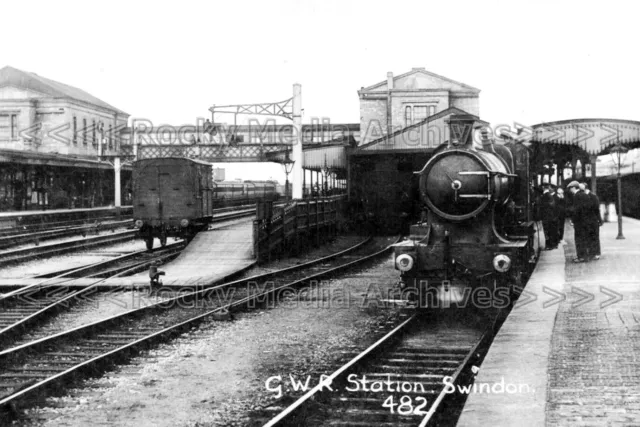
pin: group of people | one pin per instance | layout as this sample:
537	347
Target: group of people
584	214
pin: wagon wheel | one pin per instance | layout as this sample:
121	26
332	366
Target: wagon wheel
163	240
149	242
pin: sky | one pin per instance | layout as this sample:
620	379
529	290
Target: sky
168	62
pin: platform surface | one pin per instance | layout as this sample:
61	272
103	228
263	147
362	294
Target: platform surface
572	355
210	257
16	214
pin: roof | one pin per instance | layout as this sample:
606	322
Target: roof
443	113
53	159
10	76
421	71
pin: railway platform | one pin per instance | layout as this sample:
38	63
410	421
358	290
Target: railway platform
9	220
211	257
568	353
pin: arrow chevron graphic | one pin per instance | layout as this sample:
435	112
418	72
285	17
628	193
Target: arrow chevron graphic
558	297
556	134
54	133
28	296
615	297
30	133
585	297
110	297
583	134
529	297
613	134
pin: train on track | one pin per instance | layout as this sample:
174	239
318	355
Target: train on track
176	197
630	189
475	229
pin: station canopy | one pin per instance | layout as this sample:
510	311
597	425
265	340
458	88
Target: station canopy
594	136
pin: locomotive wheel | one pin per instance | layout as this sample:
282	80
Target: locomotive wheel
149	242
163	240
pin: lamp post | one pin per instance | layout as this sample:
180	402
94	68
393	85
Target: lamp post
325	175
617	153
287	163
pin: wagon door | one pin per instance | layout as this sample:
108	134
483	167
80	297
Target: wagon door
164	190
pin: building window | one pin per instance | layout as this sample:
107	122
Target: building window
93	133
8	126
75	130
416	113
109	144
84	131
420	112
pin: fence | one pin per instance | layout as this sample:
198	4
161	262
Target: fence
286	229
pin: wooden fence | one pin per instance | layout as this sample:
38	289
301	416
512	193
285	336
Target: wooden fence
286	229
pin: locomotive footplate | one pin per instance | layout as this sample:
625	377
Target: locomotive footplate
457	293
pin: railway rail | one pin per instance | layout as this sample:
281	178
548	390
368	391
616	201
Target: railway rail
25	254
20	236
58	225
31	369
29	305
407	372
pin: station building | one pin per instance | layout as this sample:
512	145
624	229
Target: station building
408	99
52	137
403	120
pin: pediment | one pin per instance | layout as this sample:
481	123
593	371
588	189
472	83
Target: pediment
420	79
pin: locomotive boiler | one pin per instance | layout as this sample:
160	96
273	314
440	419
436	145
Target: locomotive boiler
475	231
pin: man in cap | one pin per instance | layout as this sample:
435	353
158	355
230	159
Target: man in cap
549	218
594	223
579	215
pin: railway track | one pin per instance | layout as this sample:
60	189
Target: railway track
20	237
26	254
31	369
34	304
58	225
30	305
400	380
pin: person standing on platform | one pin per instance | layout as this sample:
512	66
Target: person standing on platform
595	222
549	218
579	215
561	208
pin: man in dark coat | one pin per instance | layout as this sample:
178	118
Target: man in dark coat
561	208
549	218
579	219
594	224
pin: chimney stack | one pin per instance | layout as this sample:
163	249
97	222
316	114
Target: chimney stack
389	80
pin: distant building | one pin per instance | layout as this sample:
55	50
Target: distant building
50	133
218	174
41	115
408	99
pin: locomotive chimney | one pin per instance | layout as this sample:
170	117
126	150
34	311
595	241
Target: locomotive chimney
461	130
487	143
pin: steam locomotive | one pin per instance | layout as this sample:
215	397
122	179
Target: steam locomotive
475	230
